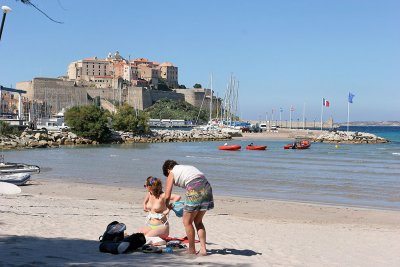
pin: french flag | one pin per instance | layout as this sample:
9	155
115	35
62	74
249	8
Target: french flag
325	102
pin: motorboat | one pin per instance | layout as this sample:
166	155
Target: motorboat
15	178
252	147
230	147
303	144
9	168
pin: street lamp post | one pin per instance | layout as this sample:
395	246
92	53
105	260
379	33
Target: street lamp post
5	9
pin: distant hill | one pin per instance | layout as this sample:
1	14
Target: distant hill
369	123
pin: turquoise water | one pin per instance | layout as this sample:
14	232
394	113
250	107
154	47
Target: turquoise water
389	132
360	175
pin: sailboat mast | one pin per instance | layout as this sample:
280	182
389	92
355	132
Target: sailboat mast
211	98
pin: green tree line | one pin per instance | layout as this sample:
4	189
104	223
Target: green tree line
94	122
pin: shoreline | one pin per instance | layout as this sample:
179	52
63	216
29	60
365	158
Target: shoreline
246	202
239	197
57	223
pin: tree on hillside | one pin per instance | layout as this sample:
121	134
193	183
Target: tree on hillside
131	120
162	85
197	85
89	122
176	110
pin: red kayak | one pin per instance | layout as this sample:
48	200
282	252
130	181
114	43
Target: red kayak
256	147
230	147
298	145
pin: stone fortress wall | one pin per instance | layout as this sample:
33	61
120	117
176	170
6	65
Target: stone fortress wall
57	93
60	93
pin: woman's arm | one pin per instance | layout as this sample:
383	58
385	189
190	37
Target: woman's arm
168	188
175	197
146	199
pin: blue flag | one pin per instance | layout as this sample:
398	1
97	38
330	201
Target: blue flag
351	97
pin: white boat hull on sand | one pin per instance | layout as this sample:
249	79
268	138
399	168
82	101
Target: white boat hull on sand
15	178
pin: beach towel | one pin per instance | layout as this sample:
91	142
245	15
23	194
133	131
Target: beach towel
155	241
182	239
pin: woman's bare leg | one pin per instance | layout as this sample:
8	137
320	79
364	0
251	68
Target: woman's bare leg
161	231
188	218
201	232
144	230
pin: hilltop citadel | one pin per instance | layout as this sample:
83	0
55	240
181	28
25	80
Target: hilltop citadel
113	80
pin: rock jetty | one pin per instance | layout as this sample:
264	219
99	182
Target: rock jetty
42	139
349	138
164	136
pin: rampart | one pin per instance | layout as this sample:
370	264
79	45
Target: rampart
57	93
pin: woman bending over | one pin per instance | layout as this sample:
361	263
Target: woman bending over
199	199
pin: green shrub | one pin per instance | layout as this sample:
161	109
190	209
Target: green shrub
89	122
126	119
6	128
176	110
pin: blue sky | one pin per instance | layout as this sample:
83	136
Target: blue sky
282	52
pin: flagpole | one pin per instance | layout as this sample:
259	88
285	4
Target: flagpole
291	107
348	115
304	110
322	111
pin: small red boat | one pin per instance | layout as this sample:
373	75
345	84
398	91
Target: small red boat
304	144
230	147
256	147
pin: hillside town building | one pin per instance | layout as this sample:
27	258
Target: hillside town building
112	80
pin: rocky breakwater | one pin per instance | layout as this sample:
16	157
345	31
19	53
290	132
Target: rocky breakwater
163	136
350	138
41	139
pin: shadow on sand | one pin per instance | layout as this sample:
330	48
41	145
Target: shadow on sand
233	251
37	251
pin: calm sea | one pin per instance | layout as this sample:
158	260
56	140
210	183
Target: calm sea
359	175
389	132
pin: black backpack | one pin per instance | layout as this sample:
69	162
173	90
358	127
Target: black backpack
114	232
113	240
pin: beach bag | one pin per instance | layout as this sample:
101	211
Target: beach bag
128	244
177	207
114	232
136	241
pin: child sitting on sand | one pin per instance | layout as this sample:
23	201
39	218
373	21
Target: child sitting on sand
154	202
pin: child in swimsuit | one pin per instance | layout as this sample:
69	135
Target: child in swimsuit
154	203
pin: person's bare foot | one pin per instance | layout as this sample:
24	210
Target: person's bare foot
191	252
202	252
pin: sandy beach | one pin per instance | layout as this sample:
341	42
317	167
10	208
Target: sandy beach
55	223
280	134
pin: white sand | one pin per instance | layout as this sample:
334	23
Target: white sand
58	224
280	134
